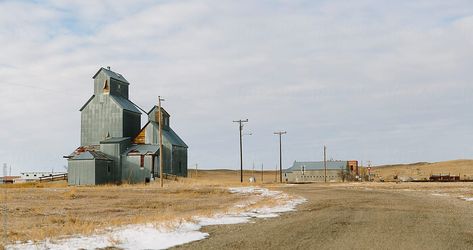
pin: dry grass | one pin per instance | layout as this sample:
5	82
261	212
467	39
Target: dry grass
423	170
451	189
230	177
37	211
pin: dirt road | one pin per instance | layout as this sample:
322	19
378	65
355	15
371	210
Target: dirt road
337	217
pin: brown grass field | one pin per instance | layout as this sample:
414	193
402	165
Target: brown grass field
37	211
423	170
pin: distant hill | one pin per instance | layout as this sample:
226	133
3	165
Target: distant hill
422	170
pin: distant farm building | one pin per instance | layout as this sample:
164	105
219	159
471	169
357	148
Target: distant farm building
314	171
36	176
114	148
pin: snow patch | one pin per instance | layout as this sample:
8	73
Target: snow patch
439	194
161	236
468	199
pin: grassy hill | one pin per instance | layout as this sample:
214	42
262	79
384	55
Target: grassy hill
422	170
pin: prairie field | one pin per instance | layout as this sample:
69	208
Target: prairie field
37	211
423	170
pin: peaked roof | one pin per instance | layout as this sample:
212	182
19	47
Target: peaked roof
113	140
317	165
142	149
156	107
91	155
112	74
85	105
125	104
170	135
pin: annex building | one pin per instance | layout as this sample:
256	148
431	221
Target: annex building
114	147
314	171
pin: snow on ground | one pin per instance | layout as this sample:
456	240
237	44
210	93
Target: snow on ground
161	236
468	199
439	194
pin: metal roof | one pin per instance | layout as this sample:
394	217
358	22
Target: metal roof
114	140
85	105
170	135
112	74
125	104
317	165
142	149
91	155
154	109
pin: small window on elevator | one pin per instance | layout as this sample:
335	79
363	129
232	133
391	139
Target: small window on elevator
142	161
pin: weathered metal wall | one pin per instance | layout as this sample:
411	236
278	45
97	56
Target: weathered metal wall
114	151
333	175
81	172
100	118
118	88
131	124
152	137
179	160
102	175
88	172
132	172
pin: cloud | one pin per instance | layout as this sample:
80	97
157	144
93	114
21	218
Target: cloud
382	81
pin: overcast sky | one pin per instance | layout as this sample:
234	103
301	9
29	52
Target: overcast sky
386	81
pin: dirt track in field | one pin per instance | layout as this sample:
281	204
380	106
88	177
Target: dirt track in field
347	217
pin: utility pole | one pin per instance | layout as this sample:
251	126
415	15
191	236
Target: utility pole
240	122
325	163
161	181
280	133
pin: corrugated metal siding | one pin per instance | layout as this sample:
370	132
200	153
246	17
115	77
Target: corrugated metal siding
313	176
102	117
131	124
81	172
102	175
179	160
113	151
317	165
132	172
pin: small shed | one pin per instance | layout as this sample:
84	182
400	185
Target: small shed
90	168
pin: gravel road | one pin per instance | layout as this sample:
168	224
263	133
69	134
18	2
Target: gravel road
337	217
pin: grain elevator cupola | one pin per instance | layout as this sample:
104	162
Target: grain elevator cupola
109	112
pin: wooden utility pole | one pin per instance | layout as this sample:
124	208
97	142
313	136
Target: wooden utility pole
325	163
280	133
161	174
240	122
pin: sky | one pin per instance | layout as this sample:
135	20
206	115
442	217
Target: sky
380	81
